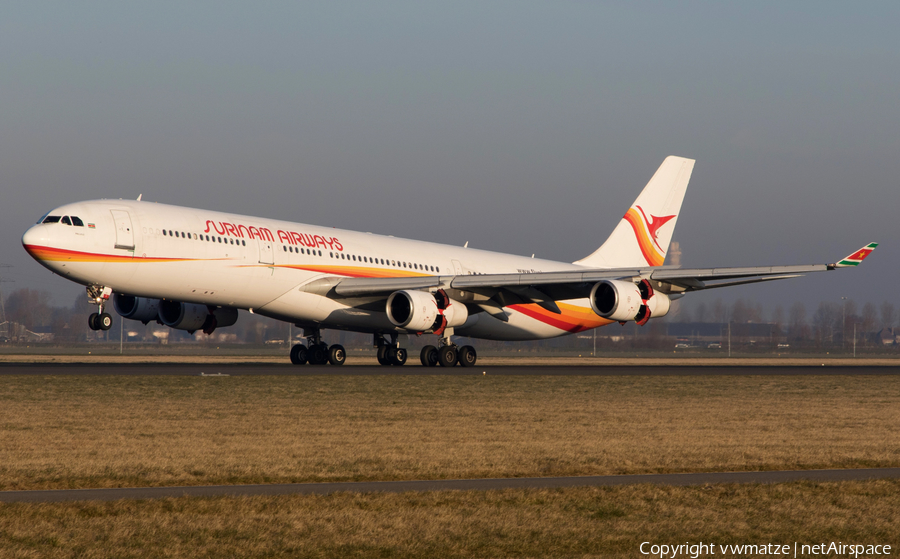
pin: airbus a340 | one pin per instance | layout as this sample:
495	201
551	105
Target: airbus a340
192	269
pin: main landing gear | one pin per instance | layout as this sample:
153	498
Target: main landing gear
390	353
99	295
449	354
318	353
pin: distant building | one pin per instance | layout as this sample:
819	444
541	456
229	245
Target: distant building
888	336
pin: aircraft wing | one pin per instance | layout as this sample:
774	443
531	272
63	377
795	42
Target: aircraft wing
544	288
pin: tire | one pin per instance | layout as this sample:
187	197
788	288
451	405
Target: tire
429	356
447	356
383	355
337	355
104	321
399	357
318	355
467	356
92	321
299	354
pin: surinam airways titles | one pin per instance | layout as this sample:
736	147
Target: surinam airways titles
264	234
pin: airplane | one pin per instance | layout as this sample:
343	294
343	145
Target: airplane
192	269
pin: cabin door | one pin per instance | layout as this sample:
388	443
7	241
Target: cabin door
266	252
124	230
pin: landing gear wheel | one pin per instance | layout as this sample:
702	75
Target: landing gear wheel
299	354
104	321
383	352
429	356
93	321
398	356
467	356
337	355
447	356
318	354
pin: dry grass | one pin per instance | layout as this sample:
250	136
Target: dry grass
59	432
575	522
355	358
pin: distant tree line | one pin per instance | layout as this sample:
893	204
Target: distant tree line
28	315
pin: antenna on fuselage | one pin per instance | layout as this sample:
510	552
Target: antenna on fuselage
466	245
139	197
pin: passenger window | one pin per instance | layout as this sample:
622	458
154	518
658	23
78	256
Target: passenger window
65	220
76	221
285	248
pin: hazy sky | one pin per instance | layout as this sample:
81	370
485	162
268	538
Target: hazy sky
521	127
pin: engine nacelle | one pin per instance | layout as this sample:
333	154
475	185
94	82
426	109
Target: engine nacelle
616	300
420	311
183	316
136	308
192	317
659	305
623	301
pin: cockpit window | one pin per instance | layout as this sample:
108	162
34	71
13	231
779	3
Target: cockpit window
76	221
65	220
51	219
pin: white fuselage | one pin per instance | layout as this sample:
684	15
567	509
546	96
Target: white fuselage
219	259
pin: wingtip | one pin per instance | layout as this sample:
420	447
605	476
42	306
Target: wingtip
855	258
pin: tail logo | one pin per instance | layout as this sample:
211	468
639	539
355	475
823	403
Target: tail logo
646	231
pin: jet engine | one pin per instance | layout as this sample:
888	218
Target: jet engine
136	308
420	311
192	317
623	300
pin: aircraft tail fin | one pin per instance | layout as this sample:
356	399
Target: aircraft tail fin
642	236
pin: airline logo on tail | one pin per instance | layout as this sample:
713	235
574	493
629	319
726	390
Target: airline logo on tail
646	232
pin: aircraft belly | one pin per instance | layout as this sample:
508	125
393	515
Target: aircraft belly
531	322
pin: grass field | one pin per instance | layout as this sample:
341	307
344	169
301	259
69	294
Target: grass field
575	522
82	431
106	431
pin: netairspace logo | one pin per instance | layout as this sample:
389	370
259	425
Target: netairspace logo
834	549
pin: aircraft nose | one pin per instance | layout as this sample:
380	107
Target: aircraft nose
35	237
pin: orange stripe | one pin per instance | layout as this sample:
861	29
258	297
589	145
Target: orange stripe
61	255
573	318
651	255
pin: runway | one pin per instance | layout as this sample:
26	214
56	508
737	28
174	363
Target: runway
703	478
263	369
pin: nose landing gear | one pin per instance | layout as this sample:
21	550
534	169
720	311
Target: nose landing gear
99	295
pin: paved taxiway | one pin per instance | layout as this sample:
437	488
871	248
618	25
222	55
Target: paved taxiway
702	478
244	369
